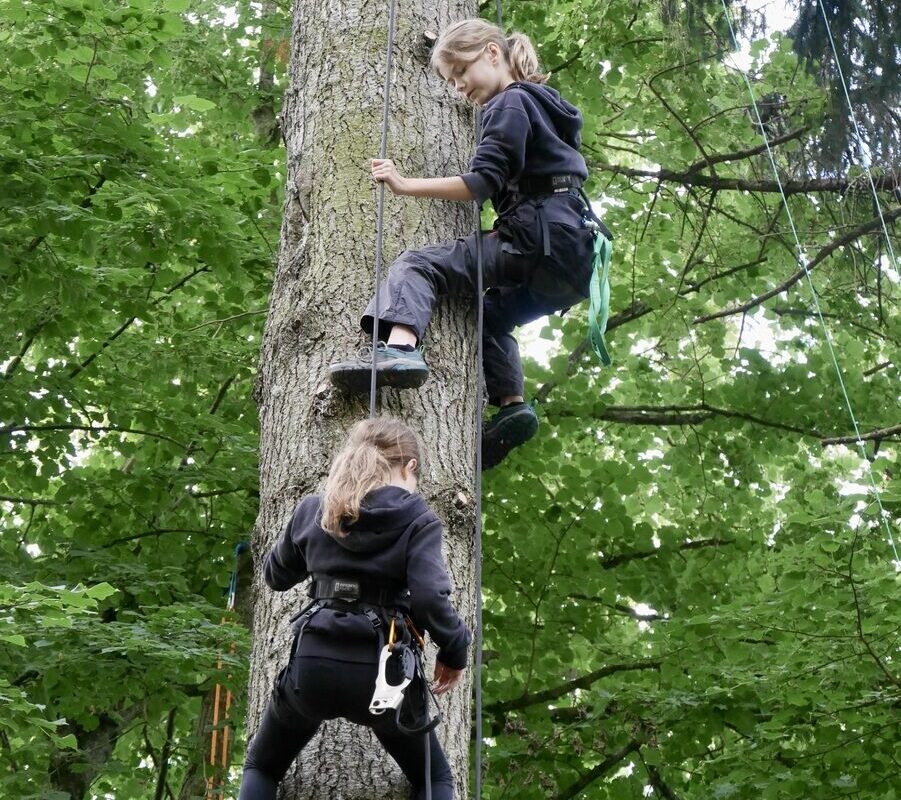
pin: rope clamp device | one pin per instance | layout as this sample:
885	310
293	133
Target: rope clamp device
397	666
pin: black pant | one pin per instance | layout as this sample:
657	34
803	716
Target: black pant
525	283
325	689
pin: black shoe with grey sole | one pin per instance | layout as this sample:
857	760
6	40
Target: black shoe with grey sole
510	427
398	369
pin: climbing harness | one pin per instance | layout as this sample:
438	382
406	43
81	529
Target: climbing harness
219	747
802	261
400	670
538	189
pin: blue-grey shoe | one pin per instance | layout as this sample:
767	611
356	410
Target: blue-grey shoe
510	427
398	369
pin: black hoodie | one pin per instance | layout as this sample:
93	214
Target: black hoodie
527	130
396	540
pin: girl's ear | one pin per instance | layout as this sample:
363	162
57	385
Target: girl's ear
493	51
411	466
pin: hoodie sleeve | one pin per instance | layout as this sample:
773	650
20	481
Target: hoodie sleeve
430	588
286	564
501	154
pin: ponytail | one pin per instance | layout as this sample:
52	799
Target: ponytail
463	42
523	59
373	448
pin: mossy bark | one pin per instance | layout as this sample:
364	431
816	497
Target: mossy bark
331	123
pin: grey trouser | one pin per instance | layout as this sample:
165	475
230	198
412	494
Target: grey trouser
524	283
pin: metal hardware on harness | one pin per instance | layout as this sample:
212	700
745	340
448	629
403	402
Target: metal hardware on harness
397	666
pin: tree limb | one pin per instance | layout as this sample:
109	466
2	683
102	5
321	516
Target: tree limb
31	501
621	558
877	436
596	772
885	183
826	251
739	155
89	428
536	698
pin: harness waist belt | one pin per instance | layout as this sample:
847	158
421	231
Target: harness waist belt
353	590
546	184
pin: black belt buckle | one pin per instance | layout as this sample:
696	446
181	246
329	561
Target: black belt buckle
343	589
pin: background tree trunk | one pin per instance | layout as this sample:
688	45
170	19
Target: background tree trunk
325	274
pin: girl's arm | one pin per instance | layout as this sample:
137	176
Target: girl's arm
452	188
286	566
430	589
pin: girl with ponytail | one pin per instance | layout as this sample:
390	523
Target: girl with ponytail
369	542
537	260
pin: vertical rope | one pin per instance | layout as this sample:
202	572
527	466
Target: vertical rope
480	313
477	426
802	260
380	213
841	74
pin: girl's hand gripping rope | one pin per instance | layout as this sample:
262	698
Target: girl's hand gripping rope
384	171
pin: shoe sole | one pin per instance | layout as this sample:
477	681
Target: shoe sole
512	432
359	380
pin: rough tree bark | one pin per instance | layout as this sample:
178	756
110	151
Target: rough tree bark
331	124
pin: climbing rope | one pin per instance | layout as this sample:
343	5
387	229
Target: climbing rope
477	427
802	260
860	147
219	748
380	205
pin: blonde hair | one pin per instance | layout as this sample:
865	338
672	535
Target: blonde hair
464	41
372	449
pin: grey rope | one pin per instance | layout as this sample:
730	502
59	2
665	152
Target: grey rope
480	312
802	260
380	213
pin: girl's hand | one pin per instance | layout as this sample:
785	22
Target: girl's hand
383	170
445	678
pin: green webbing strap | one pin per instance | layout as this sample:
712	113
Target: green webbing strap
599	296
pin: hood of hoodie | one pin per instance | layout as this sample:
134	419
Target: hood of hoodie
385	514
565	116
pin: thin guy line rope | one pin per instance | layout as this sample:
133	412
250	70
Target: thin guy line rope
841	74
380	213
802	260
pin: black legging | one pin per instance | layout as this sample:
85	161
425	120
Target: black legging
326	689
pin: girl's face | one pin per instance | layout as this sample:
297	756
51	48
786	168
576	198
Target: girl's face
406	476
481	79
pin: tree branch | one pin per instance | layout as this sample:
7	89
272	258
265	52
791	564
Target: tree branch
89	428
739	155
125	325
658	783
615	561
877	436
594	773
687	415
886	183
826	251
31	501
537	698
85	203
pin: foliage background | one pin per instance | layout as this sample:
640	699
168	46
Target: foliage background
687	593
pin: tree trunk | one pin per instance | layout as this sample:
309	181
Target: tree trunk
325	275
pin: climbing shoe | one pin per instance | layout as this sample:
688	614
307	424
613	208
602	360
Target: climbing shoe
510	427
399	369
